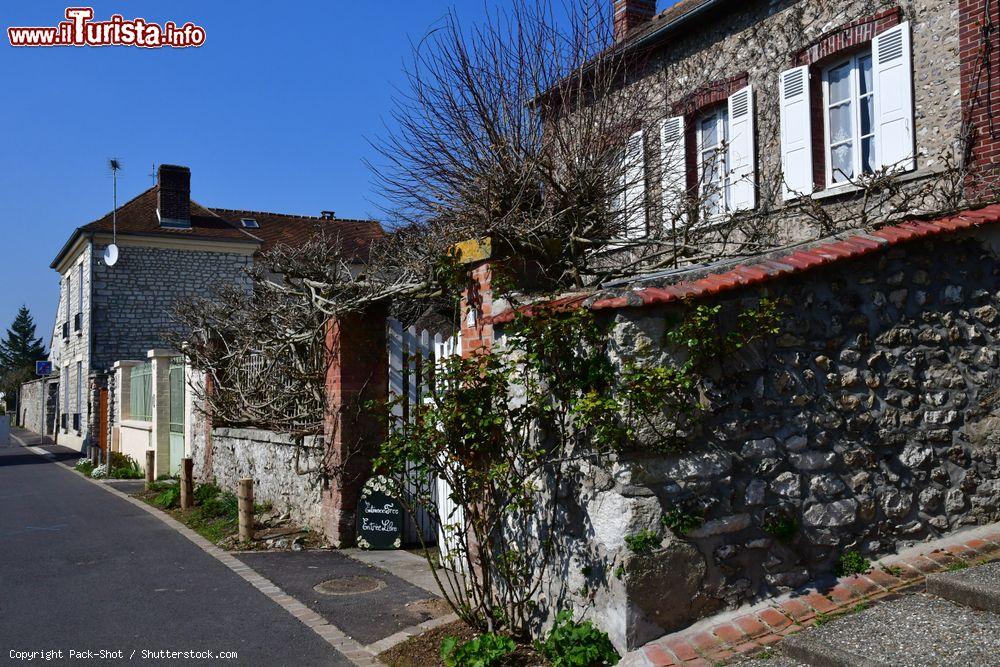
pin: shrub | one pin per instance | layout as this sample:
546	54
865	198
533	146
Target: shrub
485	650
100	472
679	521
169	498
205	492
85	466
222	505
643	542
851	562
782	528
125	467
572	644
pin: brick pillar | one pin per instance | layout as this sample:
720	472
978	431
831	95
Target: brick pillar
477	297
160	437
979	52
357	372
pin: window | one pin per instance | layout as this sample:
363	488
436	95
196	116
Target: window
249	223
69	295
713	177
79	392
849	97
65	385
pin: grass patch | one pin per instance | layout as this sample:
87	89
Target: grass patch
851	562
957	565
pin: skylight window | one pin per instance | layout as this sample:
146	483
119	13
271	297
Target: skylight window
249	223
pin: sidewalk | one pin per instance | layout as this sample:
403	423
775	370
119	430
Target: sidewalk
748	630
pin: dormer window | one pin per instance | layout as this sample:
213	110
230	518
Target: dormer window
249	223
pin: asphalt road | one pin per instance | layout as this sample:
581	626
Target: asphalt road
83	570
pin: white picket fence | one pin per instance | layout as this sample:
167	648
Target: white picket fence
412	357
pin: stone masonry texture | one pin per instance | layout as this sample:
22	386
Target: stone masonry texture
868	423
134	300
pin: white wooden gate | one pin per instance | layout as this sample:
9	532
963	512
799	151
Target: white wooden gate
412	357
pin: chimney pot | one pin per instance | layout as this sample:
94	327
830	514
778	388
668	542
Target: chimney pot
630	14
173	197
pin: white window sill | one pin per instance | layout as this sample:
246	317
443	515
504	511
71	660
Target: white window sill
137	425
850	188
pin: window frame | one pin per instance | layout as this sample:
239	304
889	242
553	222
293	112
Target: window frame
721	114
857	139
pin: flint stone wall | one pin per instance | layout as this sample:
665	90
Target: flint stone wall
872	421
283	473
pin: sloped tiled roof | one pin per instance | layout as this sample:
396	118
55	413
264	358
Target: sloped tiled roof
699	282
279	228
138	217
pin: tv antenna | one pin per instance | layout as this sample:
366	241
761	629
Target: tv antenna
111	252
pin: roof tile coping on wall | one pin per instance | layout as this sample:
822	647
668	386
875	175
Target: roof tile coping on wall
743	272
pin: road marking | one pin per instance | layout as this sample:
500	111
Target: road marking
338	640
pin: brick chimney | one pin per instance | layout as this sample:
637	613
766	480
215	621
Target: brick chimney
173	197
630	14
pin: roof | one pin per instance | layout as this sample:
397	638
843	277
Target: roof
138	217
738	273
675	16
282	229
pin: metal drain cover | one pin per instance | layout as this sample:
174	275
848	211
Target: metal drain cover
349	585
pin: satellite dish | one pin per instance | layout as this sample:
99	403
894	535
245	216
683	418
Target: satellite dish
111	255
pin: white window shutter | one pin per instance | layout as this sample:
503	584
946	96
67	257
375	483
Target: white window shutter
673	181
634	187
742	158
796	133
893	76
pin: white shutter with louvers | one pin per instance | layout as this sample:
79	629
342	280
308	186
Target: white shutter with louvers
893	78
673	179
742	158
796	133
634	187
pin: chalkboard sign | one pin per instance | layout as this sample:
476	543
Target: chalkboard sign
380	517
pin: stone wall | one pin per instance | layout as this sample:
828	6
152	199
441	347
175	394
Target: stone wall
285	474
38	405
133	300
871	422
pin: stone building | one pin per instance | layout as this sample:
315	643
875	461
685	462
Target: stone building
170	248
787	111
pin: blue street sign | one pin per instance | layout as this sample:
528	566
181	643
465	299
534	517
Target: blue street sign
43	368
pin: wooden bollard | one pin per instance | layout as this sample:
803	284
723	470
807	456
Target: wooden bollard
187	484
95	456
245	497
150	467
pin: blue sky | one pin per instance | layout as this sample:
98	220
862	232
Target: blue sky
272	113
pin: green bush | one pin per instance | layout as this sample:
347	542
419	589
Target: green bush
572	644
168	499
782	528
85	466
223	505
643	542
484	651
679	521
851	562
205	492
125	467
